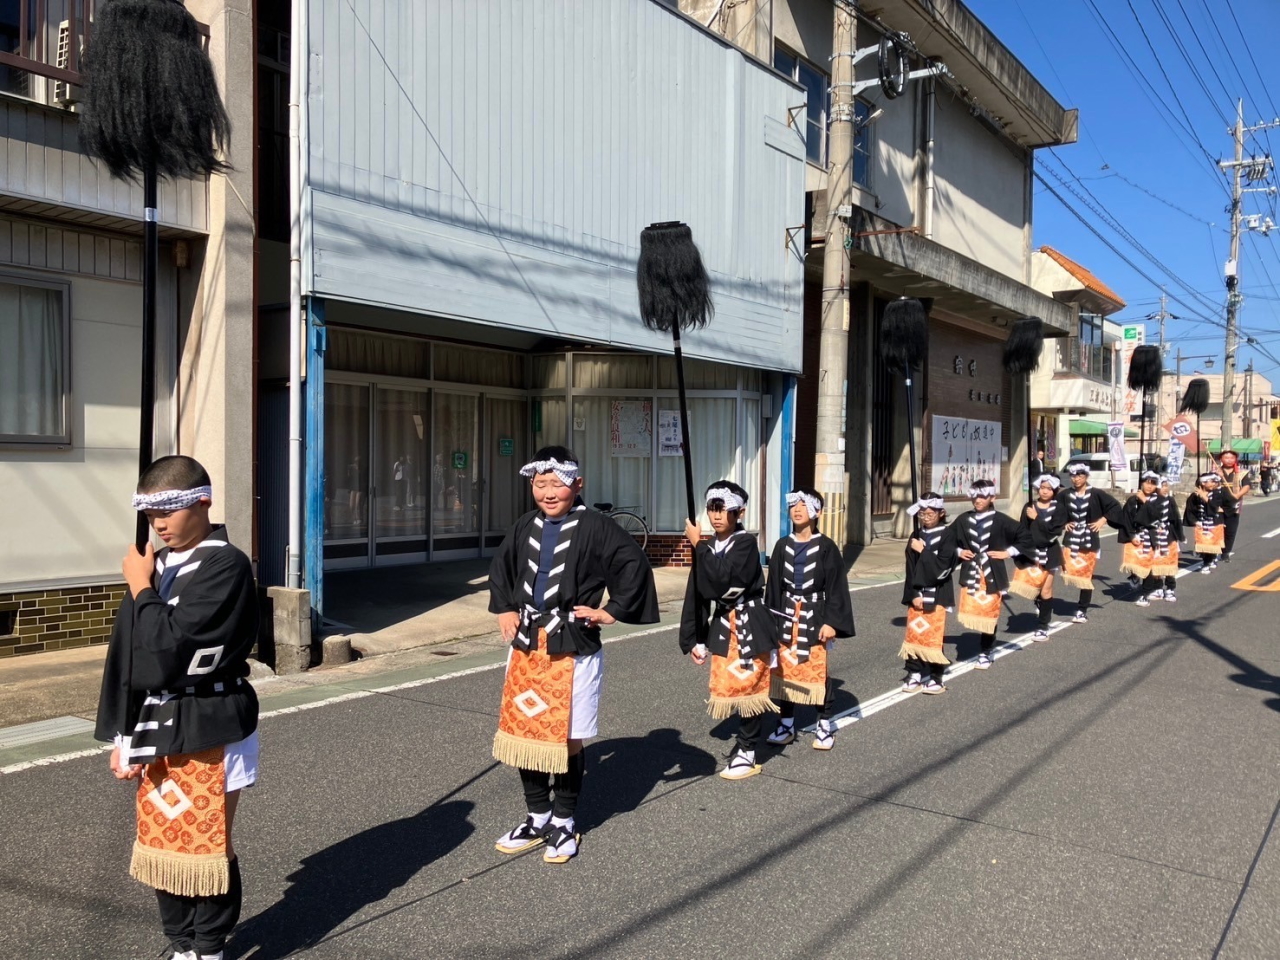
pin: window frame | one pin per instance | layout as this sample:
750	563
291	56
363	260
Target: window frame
862	135
797	63
64	439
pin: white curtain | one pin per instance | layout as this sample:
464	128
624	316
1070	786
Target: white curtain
31	368
713	436
346	466
622	481
508	492
492	368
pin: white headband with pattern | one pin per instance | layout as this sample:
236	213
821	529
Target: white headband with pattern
170	500
731	500
1149	475
812	503
1050	479
925	503
981	489
566	471
1206	477
1075	468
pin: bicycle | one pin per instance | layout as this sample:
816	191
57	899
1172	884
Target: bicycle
628	520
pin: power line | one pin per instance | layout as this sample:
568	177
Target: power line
1195	72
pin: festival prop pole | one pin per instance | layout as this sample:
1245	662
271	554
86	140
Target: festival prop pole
151	109
1145	372
1196	400
675	295
1022	351
904	339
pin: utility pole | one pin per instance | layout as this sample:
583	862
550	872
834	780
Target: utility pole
829	462
1163	315
1247	409
1257	170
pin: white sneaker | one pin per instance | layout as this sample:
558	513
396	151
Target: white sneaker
1170	596
742	764
1157	594
1080	617
531	833
824	737
1206	569
783	734
1040	636
913	683
1142	602
983	662
562	842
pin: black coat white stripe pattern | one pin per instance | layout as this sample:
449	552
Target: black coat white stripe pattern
724	581
1203	513
983	533
1043	533
818	584
928	573
551	617
187	658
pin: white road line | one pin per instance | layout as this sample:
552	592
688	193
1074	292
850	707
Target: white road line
59	758
1273	533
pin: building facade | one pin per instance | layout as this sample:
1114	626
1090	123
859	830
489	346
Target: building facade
70	329
937	205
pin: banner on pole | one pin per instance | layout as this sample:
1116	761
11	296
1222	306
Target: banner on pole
1115	435
1177	455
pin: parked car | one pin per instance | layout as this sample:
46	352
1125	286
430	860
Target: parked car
1100	470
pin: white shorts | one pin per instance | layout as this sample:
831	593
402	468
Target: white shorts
240	763
588	674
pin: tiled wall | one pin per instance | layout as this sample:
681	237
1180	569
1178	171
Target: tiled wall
43	620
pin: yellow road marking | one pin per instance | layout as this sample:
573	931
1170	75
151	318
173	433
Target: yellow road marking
1251	582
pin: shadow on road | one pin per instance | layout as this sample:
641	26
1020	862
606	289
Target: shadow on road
333	884
622	772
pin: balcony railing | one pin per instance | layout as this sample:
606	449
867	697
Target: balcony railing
41	43
1083	359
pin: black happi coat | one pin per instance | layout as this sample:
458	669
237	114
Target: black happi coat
1002	532
1091	508
601	555
929	572
719	583
182	664
823	575
1204	510
1043	533
1173	517
1141	518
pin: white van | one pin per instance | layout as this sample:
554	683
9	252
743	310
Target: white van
1100	470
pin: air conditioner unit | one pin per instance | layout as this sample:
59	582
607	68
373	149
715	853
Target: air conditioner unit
66	94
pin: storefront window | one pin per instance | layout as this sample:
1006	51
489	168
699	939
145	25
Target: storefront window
614	372
358	352
613	440
491	368
346	467
548	372
455	471
548	422
713	432
698	375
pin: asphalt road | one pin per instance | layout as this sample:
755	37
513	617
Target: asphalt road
1108	794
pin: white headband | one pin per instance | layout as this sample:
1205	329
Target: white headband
566	472
170	500
982	488
1206	477
925	503
1075	468
1165	478
1149	475
1050	479
812	503
731	500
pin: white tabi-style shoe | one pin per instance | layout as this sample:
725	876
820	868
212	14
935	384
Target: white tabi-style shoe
530	834
562	842
742	764
824	735
783	734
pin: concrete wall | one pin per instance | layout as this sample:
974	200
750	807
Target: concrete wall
216	379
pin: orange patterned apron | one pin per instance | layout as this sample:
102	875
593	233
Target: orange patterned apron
1166	564
1078	567
1027	581
735	688
1137	559
533	723
182	825
980	610
796	680
925	635
1213	540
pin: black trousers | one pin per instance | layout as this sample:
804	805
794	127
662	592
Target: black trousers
749	732
1233	527
924	668
787	709
202	924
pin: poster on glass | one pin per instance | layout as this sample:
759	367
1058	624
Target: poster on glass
964	451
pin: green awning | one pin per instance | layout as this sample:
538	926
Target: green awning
1092	428
1247	445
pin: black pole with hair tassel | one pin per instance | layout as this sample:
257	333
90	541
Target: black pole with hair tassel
1146	369
675	295
1022	350
1196	400
151	109
904	341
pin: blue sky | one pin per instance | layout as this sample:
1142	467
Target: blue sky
1142	167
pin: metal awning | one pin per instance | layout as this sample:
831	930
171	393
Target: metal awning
1092	428
1243	445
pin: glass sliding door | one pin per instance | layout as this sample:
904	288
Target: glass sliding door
456	494
399	497
346	474
506	492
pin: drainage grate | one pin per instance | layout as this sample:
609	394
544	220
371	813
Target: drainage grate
26	733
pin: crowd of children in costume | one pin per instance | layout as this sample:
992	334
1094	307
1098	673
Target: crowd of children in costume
178	707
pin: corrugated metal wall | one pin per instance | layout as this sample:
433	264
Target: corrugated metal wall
495	160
